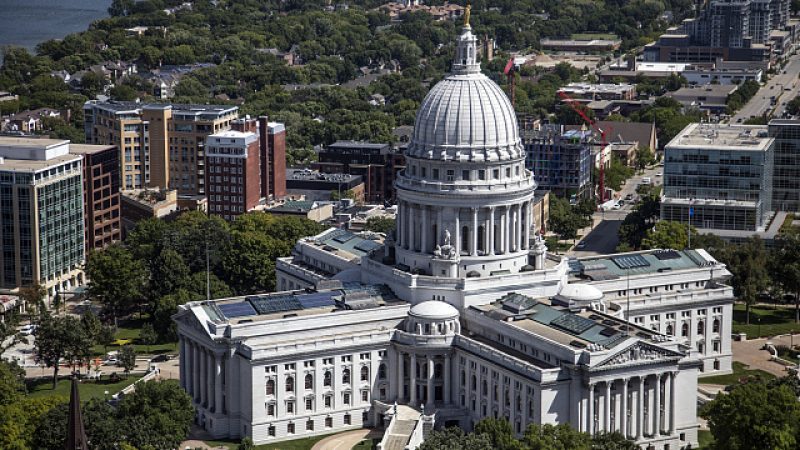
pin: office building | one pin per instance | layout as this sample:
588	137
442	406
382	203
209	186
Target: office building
160	145
372	161
591	91
459	315
718	178
41	214
561	160
312	185
233	173
101	197
786	164
710	98
143	204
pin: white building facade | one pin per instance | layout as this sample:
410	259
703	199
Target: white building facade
460	315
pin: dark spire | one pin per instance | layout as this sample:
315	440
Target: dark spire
76	434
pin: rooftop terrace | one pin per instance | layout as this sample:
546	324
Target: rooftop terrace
723	137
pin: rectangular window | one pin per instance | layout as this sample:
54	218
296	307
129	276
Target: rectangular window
450	175
435	173
290	407
465	175
309	404
496	174
346	398
481	174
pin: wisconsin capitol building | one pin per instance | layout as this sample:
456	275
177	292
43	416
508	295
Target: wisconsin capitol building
461	313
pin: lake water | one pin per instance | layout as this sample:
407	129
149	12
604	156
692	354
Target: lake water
26	23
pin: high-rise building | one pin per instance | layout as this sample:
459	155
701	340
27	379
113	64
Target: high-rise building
41	214
786	164
561	160
101	197
233	175
160	145
718	178
272	148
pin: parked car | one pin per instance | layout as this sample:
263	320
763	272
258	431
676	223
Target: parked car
111	361
581	245
646	180
160	358
659	174
28	330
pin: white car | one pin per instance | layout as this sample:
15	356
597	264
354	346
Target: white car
28	330
111	361
646	180
659	174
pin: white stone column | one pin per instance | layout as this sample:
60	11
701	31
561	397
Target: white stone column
517	226
400	378
526	225
218	387
590	428
491	231
508	233
399	224
210	380
607	412
424	231
203	377
657	408
197	376
672	389
447	376
457	232
624	409
640	409
474	246
503	231
409	227
412	385
430	387
182	356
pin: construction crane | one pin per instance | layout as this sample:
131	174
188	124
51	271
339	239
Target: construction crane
509	72
575	105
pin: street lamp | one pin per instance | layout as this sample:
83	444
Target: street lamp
759	326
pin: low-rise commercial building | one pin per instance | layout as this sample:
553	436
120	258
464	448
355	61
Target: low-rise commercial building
144	204
592	91
312	185
309	209
711	98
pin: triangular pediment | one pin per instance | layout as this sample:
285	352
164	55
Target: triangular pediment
636	354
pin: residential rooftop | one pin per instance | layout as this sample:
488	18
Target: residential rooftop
88	149
722	137
121	107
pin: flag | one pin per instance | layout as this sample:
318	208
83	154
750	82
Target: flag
691	211
509	66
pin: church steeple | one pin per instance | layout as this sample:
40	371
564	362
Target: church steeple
76	434
466	59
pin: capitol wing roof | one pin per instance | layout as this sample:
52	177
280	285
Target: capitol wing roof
637	353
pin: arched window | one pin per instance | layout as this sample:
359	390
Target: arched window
364	373
382	372
289	384
327	378
685	329
669	330
715	326
270	387
474	382
309	381
701	327
437	371
346	376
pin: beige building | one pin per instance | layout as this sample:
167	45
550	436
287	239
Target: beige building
161	145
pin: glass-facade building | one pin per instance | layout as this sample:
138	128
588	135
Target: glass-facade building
786	170
717	177
561	161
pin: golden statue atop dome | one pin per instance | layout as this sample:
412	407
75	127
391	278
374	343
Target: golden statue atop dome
466	15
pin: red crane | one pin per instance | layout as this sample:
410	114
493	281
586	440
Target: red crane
575	105
509	72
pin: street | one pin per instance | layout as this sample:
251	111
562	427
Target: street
603	237
784	86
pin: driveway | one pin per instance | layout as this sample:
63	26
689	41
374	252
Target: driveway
344	441
750	353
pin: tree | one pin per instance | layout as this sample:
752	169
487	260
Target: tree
612	441
32	297
60	338
555	437
124	93
787	266
127	358
380	224
92	325
115	278
11	385
668	234
246	444
564	221
454	438
644	157
748	264
163	413
19	421
168	273
499	433
754	415
9	335
105	336
148	335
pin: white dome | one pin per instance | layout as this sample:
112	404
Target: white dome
580	293
434	309
466	116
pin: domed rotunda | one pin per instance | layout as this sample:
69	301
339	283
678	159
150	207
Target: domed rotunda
464	198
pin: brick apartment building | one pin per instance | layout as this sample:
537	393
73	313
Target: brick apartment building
101	197
376	163
233	177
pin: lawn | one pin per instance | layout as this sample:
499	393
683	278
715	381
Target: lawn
43	387
740	370
772	321
296	444
705	438
129	330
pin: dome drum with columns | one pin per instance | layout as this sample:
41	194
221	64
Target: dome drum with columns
465	187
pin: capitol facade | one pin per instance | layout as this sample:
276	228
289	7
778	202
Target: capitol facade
461	314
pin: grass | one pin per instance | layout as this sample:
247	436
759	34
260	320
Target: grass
296	444
772	321
367	444
129	330
740	371
705	438
43	387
